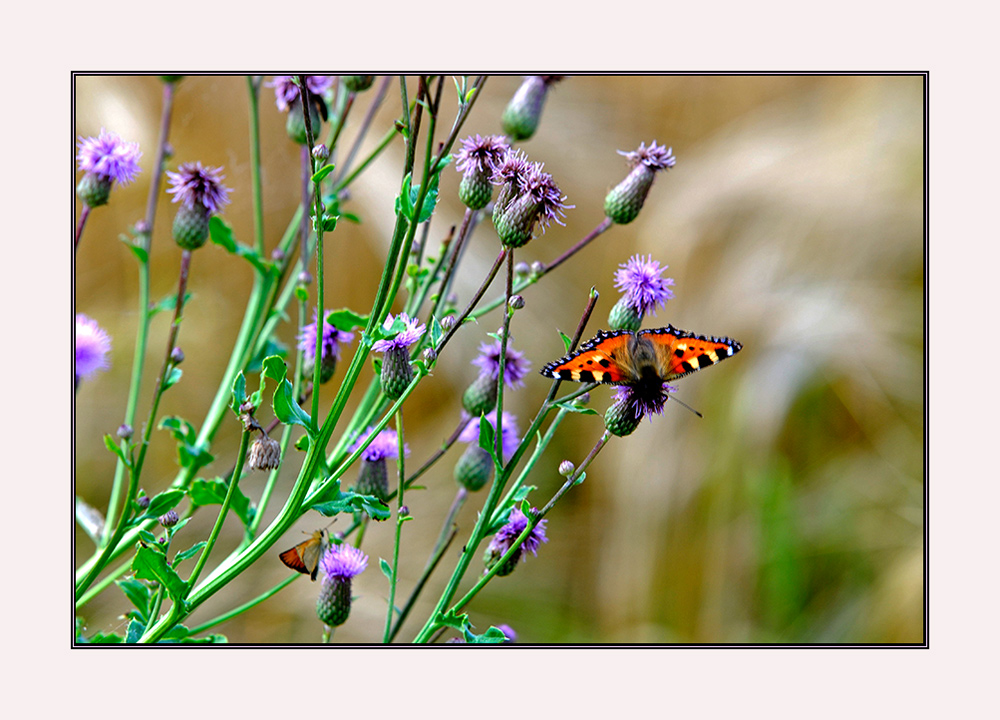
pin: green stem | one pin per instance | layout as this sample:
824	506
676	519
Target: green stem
225	617
401	517
253	93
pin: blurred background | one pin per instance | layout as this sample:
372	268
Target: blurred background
793	222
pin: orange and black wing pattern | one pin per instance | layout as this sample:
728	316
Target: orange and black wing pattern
304	557
602	359
681	353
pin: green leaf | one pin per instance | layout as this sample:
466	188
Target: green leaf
323	172
487	437
351	217
188	454
386	570
271	347
161	503
138	594
102	639
140	253
147	537
567	340
167	303
152	565
330	222
583	476
437	332
335	501
135	630
190	552
222	235
570	407
213	492
453	620
493	636
239	394
346	319
283	401
404	201
172	378
111	444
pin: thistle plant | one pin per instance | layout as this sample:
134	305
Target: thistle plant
324	454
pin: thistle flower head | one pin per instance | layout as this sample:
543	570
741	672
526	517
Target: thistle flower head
286	91
632	403
332	340
504	539
92	347
509	440
626	199
516	366
412	332
481	154
197	186
529	198
385	445
655	157
343	562
109	156
640	283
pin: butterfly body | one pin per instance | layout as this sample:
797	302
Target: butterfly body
305	556
643	360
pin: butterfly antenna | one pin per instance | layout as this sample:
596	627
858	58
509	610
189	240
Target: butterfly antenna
684	404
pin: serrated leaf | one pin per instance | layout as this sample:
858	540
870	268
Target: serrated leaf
213	492
493	636
151	565
138	594
335	501
90	520
320	174
386	570
173	377
346	319
454	620
190	552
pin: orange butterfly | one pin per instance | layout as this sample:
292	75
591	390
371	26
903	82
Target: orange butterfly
304	557
643	360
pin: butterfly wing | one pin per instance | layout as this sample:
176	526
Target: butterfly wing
681	353
602	359
304	557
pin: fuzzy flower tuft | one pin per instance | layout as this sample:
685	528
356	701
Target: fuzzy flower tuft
529	198
640	401
385	445
92	347
516	366
196	185
641	285
109	156
508	442
286	91
481	154
655	157
332	340
504	539
343	562
412	332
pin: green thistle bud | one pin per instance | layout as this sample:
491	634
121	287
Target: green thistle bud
373	479
295	125
333	605
191	226
524	111
474	468
515	222
493	554
357	83
620	419
625	201
475	190
481	396
94	189
624	317
396	372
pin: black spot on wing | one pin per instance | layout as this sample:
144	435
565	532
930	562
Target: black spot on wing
586	376
704	360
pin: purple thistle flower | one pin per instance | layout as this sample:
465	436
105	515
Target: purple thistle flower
507	630
504	539
640	282
332	339
196	185
546	195
528	197
509	440
481	154
412	332
655	157
109	156
640	400
286	91
516	366
92	347
343	562
385	445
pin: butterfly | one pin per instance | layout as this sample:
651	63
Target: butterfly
304	557
643	360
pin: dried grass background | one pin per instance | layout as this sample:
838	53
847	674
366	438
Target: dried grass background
793	221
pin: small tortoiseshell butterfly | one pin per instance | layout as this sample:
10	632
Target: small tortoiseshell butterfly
643	360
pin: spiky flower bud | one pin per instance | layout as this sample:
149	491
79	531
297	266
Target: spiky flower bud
516	302
169	519
481	395
265	454
621	419
94	190
124	431
566	468
142	501
476	160
504	539
524	111
397	374
295	124
624	316
177	356
339	564
201	194
430	355
625	201
104	160
643	290
373	479
474	468
448	322
373	475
